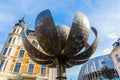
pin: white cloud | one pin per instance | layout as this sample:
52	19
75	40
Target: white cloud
113	35
107	50
102	51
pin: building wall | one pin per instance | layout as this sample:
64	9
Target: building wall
116	59
52	74
11	51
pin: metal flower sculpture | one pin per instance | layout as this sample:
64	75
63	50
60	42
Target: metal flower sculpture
62	47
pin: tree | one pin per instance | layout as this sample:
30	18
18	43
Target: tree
107	73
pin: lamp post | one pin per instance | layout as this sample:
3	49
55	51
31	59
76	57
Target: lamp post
61	44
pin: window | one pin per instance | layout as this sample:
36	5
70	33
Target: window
21	53
14	30
5	51
9	41
116	44
117	57
17	67
43	70
21	32
17	30
9	51
31	68
1	64
14	39
30	33
35	44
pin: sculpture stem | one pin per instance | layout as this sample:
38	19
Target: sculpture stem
61	72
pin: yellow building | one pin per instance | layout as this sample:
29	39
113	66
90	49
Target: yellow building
15	64
115	55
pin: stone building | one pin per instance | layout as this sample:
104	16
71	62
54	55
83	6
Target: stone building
115	55
15	64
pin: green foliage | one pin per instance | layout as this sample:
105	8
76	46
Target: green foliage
107	73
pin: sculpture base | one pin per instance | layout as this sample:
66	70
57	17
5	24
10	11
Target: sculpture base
61	78
61	72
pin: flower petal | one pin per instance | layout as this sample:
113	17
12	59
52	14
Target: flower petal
63	32
76	62
47	62
46	33
32	50
51	65
89	51
79	34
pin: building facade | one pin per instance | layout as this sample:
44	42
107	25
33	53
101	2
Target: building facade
98	68
115	55
15	64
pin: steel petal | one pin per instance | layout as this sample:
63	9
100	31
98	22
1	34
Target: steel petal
46	33
68	65
77	62
32	50
63	32
51	65
47	62
89	51
79	34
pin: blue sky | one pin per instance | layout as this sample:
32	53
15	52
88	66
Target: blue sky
104	15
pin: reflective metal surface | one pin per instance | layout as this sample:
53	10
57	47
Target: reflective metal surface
93	69
78	35
61	44
46	33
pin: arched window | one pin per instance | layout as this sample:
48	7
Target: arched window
31	68
1	64
9	41
43	70
5	51
35	44
17	67
117	58
14	30
18	31
9	51
21	53
14	39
